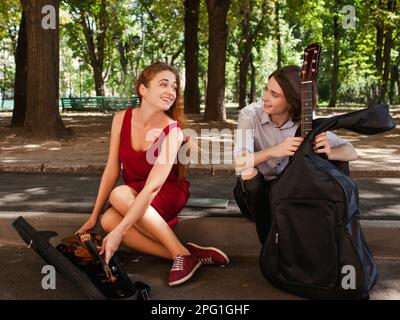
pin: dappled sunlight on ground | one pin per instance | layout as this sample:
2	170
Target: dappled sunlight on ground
90	143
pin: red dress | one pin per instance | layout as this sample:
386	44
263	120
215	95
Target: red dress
174	193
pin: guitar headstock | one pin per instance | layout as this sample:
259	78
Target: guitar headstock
310	66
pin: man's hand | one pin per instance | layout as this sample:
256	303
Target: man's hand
321	144
286	148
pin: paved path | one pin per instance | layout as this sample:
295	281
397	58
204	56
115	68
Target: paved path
58	192
241	280
86	152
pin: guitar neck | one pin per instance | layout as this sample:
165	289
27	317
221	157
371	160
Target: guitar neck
306	107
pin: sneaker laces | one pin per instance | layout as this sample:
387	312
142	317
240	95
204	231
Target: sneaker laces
178	264
207	260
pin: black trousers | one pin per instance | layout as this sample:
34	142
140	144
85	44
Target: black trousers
252	197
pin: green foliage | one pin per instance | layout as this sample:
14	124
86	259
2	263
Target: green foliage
10	17
138	32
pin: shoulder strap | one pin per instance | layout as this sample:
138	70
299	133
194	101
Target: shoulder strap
166	131
158	142
172	125
126	120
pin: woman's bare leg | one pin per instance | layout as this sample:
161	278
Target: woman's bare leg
151	224
156	226
121	199
134	238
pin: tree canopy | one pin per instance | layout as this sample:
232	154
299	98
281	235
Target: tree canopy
104	44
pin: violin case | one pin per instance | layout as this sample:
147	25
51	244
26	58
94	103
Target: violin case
77	258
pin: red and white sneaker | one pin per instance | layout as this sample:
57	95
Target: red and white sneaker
208	255
183	269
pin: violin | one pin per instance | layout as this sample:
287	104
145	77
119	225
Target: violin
83	250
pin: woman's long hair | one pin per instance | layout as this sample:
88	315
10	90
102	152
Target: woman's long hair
176	110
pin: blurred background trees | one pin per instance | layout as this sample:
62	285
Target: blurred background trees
224	49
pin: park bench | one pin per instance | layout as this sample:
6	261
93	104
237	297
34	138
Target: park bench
98	103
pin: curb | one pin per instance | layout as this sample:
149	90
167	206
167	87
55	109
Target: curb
236	236
45	167
201	170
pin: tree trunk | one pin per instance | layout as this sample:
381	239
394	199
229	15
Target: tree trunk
386	53
243	72
95	50
122	49
245	52
386	41
192	91
19	110
176	55
98	79
379	46
42	117
252	94
278	37
123	45
251	32
335	71
218	36
394	79
379	25
397	79
386	63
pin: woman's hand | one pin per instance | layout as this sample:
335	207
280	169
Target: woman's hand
321	144
111	244
286	148
89	224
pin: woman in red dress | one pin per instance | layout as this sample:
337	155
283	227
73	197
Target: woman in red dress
146	142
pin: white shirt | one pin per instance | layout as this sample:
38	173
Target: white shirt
256	132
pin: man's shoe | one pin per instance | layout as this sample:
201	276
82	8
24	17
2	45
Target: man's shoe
208	255
183	269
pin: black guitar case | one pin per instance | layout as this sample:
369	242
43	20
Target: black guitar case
316	248
90	279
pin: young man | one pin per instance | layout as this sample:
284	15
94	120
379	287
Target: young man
266	139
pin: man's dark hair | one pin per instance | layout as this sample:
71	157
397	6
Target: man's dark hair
289	79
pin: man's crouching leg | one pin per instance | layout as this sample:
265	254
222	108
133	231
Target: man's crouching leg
252	196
